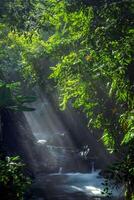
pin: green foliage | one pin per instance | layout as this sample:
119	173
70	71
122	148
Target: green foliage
92	49
122	172
17	13
17	54
92	65
127	121
106	191
12	179
108	140
10	100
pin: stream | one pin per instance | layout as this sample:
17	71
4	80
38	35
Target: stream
71	186
59	168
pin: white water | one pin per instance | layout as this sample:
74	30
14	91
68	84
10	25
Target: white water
92	167
89	183
47	128
60	170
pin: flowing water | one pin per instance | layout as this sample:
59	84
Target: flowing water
92	167
55	153
71	186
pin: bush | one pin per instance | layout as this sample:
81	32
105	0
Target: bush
13	182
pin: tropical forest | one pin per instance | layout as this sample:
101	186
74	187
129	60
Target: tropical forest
66	100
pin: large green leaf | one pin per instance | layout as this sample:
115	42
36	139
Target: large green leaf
10	101
6	97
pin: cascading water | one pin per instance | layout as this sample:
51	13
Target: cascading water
56	151
92	167
60	170
81	186
49	132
